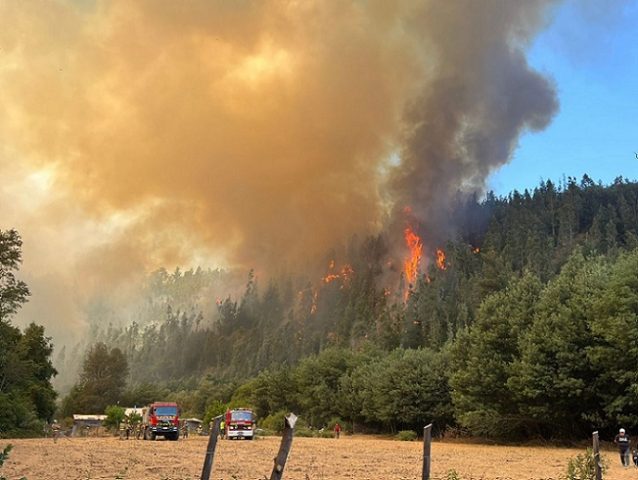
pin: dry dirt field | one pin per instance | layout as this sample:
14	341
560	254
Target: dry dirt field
356	458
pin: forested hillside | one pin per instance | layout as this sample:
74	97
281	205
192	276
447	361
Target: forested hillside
526	328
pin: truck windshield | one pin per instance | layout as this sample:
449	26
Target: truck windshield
162	411
242	416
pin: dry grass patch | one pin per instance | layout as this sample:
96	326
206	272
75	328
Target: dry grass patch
351	458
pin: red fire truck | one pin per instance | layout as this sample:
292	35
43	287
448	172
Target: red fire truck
161	419
240	423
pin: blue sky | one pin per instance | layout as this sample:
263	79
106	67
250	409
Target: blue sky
590	49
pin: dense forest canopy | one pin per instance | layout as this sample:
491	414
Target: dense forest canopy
290	317
524	329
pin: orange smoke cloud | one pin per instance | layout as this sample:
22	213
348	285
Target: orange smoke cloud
255	127
252	132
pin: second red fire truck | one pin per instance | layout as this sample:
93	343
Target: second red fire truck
239	424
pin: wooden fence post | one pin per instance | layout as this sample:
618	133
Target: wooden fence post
597	461
284	448
210	449
427	442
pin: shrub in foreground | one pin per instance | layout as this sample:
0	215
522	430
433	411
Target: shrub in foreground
4	454
583	467
406	435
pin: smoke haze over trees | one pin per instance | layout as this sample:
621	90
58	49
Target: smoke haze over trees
517	337
102	382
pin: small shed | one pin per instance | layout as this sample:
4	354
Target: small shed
192	424
83	425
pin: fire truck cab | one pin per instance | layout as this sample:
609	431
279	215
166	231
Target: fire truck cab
161	419
240	424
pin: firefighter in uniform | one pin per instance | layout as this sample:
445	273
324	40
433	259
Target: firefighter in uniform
623	442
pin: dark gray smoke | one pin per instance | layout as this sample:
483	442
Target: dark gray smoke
481	94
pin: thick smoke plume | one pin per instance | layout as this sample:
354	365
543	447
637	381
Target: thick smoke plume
251	133
479	97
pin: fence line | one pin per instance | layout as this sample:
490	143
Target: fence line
427	443
284	448
210	449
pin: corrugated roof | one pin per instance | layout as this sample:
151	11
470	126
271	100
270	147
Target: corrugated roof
79	416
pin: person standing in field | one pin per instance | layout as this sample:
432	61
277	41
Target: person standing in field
623	442
337	430
55	429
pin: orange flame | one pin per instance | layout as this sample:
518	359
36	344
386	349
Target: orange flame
344	274
313	307
476	250
440	259
330	276
411	264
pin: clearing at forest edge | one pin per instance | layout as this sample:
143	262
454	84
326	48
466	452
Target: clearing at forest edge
356	458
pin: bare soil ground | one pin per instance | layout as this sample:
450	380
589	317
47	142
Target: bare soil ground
355	458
